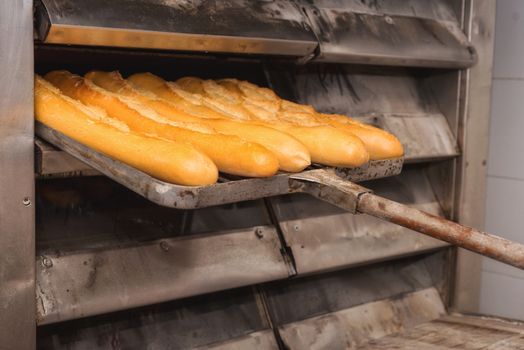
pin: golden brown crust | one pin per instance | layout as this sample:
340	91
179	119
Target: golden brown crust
326	144
292	155
379	143
231	154
168	161
243	101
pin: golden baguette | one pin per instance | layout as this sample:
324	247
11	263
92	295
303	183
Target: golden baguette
326	145
292	156
379	143
172	162
231	154
188	103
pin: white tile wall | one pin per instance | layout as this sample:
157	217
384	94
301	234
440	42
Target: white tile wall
509	46
502	295
504	207
502	287
506	141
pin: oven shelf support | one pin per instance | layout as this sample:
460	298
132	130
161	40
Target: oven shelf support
17	213
327	186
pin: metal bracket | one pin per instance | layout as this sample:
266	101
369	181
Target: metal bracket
324	184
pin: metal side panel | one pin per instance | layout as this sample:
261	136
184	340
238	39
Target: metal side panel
207	320
395	101
17	214
346	329
293	300
443	10
323	237
51	162
263	340
93	282
233	26
473	139
349	36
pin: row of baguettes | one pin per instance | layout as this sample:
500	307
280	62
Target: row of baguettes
229	125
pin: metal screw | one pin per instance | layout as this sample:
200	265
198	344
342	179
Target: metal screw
259	232
389	20
47	262
296	227
164	246
26	201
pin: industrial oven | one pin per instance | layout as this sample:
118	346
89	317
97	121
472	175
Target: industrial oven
94	255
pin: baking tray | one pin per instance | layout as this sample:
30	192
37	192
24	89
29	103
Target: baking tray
227	190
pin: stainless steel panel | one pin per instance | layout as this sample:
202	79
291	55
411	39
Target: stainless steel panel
86	283
473	140
187	197
17	218
444	10
353	90
51	162
395	101
206	320
323	237
350	328
263	340
349	36
297	299
233	26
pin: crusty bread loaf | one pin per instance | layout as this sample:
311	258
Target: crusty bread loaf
187	102
168	161
292	155
327	145
379	143
231	154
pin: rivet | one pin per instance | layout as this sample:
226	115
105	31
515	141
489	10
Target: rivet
164	246
259	232
389	20
46	262
296	227
26	201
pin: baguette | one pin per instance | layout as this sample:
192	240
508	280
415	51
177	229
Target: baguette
172	162
326	144
231	154
379	143
187	102
292	156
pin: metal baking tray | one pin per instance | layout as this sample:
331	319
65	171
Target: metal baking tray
224	191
